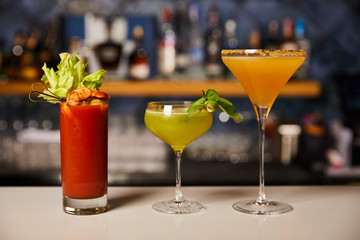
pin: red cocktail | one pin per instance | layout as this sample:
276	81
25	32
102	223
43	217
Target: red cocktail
84	136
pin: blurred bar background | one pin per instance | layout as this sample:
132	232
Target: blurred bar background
160	50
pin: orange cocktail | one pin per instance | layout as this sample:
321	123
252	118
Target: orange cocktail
263	76
262	73
83	132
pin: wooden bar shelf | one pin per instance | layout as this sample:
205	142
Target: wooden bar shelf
177	87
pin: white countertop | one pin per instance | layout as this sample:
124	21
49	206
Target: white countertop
326	212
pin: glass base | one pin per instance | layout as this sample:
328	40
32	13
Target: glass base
76	206
266	208
174	207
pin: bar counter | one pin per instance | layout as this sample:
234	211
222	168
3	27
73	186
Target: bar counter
320	212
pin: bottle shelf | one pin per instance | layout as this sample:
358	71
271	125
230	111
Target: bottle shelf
177	88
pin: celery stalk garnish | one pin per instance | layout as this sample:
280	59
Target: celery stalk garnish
70	75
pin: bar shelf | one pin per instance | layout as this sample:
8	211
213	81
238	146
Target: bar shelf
176	88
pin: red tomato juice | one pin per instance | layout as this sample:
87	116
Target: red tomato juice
84	140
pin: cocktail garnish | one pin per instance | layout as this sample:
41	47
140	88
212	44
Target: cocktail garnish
211	101
34	95
86	94
70	76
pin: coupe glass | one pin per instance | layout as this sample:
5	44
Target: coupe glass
171	123
262	73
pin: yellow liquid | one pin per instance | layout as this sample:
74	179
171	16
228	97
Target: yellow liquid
263	77
176	128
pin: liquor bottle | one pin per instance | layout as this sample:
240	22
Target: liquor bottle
213	44
138	60
289	35
196	44
30	67
231	39
273	35
13	58
166	46
303	43
47	53
2	76
109	52
76	47
181	27
255	39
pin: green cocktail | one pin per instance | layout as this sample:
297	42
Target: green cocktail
171	123
178	129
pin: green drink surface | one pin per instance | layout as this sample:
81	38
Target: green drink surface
177	128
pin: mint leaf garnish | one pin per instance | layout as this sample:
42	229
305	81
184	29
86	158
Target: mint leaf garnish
198	105
211	101
211	94
228	107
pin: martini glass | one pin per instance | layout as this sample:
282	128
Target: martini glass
171	123
262	73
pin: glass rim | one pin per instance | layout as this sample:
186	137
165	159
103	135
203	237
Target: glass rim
84	103
263	52
173	103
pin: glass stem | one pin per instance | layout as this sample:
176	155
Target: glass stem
178	193
262	115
